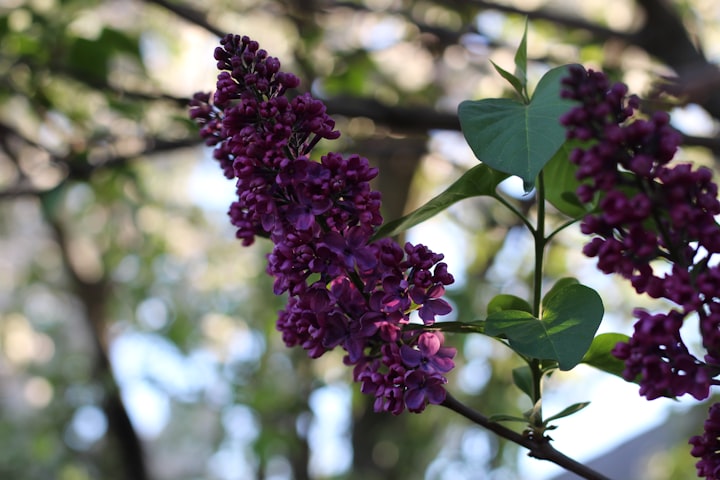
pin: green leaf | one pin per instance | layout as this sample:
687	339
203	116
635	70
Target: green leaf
523	379
574	408
452	327
561	183
599	355
516	83
119	41
508	302
90	59
51	200
509	324
521	62
570	318
573	314
515	138
559	285
506	418
481	180
355	75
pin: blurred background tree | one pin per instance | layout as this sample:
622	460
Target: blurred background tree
137	337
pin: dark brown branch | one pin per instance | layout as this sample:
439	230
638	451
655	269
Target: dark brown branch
409	120
94	296
664	36
711	143
82	171
191	15
153	146
598	31
423	119
538	448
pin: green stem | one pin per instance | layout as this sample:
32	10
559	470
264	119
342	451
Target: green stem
539	447
539	236
514	210
537	374
561	228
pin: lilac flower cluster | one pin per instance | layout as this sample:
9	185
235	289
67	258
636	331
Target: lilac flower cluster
649	211
707	446
344	289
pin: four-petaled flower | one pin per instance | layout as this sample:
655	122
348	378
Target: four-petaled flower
429	355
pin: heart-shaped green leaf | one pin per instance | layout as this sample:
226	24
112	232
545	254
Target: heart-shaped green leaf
481	180
571	316
516	138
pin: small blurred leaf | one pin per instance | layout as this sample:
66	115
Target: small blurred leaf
354	75
89	58
120	42
51	201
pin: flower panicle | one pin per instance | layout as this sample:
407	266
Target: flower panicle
650	210
706	446
344	289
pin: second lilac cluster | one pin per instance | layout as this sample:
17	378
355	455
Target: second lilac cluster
344	290
649	212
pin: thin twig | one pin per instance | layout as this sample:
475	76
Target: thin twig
538	448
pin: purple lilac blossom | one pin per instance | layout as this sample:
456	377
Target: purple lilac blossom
344	289
706	446
648	212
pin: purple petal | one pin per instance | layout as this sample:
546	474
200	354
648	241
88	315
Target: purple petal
435	394
365	258
410	356
415	400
